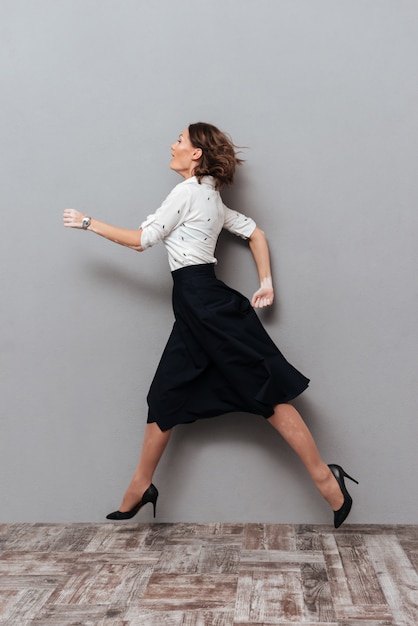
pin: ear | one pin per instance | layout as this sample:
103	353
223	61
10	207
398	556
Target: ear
197	154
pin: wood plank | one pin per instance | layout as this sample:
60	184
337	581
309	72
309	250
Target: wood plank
408	540
208	618
364	621
30	563
11	583
219	559
85	614
336	576
367	612
8	601
269	537
172	591
179	559
158	535
207	534
259	557
136	615
27	605
308	537
118	538
304	623
317	593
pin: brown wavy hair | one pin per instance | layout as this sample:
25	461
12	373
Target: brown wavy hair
219	157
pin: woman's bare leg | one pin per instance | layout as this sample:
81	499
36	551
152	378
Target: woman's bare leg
153	446
289	423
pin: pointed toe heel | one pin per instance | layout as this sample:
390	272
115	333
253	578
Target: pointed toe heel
342	513
150	495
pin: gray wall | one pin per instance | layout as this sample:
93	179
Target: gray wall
325	96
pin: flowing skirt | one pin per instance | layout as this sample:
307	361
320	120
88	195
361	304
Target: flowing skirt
219	358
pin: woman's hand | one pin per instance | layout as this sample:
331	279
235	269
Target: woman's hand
73	219
263	296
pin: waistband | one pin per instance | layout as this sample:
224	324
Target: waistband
190	271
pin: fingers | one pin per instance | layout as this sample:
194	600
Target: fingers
262	302
72	218
259	301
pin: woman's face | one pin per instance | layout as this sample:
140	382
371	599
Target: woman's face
185	155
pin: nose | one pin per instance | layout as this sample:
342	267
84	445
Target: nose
173	145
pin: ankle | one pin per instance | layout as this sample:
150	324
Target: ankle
138	486
133	494
328	487
320	474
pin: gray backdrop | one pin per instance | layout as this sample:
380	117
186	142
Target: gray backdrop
324	95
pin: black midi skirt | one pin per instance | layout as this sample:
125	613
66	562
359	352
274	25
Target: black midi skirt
219	358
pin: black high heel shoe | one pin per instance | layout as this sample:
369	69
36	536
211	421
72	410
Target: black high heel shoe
150	495
342	513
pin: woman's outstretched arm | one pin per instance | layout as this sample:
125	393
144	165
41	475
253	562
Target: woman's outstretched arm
260	251
123	236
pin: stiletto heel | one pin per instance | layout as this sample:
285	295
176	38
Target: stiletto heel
150	495
339	474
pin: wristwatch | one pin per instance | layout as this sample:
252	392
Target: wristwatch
86	222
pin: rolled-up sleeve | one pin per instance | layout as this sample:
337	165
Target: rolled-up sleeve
238	224
166	218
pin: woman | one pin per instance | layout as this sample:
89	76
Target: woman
218	358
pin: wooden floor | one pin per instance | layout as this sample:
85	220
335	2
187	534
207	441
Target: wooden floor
135	574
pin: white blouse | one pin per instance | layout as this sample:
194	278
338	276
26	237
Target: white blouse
189	222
